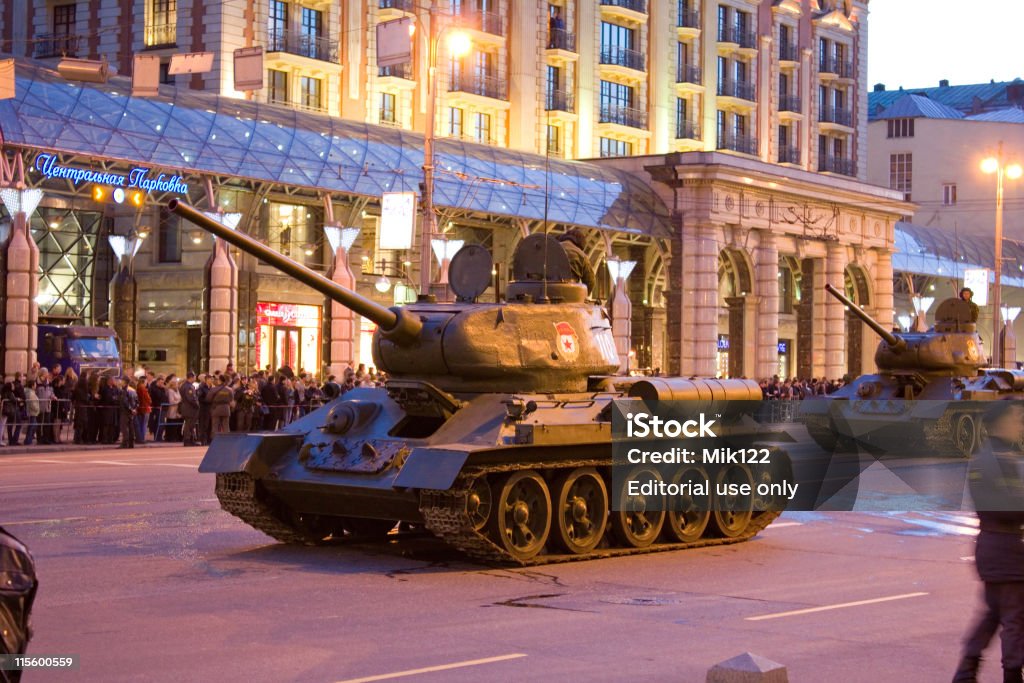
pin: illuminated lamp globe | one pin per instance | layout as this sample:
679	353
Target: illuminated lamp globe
1014	171
459	44
990	165
382	284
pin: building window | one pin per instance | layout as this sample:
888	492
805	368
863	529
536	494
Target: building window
292	231
720	129
552	80
277	86
615	148
615	96
169	237
162	29
901	173
723	23
312	27
455	122
949	194
277	25
554	140
482	127
615	38
387	107
900	128
311	91
64	20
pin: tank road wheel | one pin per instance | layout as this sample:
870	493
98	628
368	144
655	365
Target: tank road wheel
478	503
522	519
581	510
688	515
639	519
965	434
731	511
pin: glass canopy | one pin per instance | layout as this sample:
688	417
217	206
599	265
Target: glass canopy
932	251
182	131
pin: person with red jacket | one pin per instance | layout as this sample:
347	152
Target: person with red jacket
145	408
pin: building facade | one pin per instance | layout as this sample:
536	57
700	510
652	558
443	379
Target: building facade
778	81
734	131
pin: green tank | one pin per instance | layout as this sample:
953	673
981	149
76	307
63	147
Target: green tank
927	395
493	430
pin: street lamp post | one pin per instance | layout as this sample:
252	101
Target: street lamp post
1012	171
459	45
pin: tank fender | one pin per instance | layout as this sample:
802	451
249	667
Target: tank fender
431	468
252	453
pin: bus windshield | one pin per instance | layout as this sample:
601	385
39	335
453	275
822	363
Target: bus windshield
97	348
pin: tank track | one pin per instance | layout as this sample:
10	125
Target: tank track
445	516
237	494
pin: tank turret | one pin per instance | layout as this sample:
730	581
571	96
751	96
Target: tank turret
546	338
951	348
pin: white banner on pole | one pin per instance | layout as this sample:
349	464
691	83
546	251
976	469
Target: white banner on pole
976	279
397	220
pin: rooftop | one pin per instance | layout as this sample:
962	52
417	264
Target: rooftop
967	99
183	131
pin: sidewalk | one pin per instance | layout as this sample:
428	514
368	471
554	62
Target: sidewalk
38	449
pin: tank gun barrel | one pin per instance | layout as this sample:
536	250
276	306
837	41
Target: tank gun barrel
896	343
395	323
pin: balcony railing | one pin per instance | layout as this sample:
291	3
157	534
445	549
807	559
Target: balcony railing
404	5
840	67
688	73
620	56
744	90
839	165
843	117
303	45
635	5
560	100
158	35
739	143
396	71
486	85
740	36
488	22
624	116
49	45
687	130
789	102
560	39
789	155
688	18
789	52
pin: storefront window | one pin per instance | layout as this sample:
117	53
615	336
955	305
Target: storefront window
288	335
67	242
296	231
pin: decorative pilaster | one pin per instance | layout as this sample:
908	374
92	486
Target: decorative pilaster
344	323
835	316
124	296
220	310
22	260
766	275
699	342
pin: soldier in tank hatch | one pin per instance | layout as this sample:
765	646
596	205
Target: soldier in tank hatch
573	243
967	294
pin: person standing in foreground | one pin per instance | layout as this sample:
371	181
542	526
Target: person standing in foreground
189	409
997	488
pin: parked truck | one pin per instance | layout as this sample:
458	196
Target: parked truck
80	348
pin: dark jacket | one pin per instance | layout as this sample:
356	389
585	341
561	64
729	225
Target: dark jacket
220	398
189	406
997	488
579	265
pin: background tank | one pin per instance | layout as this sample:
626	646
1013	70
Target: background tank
927	394
493	430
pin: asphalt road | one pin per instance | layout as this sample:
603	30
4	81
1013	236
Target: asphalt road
146	579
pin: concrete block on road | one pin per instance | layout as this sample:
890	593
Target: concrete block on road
748	668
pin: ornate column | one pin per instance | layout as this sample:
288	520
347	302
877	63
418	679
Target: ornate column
22	259
883	302
742	347
124	296
766	276
345	324
835	315
700	301
220	301
622	311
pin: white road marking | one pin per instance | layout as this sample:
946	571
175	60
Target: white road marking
968	558
431	669
113	462
173	464
43	521
842	605
780	525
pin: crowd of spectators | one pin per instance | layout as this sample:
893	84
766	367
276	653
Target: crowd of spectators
48	406
790	389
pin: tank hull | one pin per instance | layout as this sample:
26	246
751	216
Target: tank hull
309	484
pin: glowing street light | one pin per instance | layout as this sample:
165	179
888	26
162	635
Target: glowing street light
1012	171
